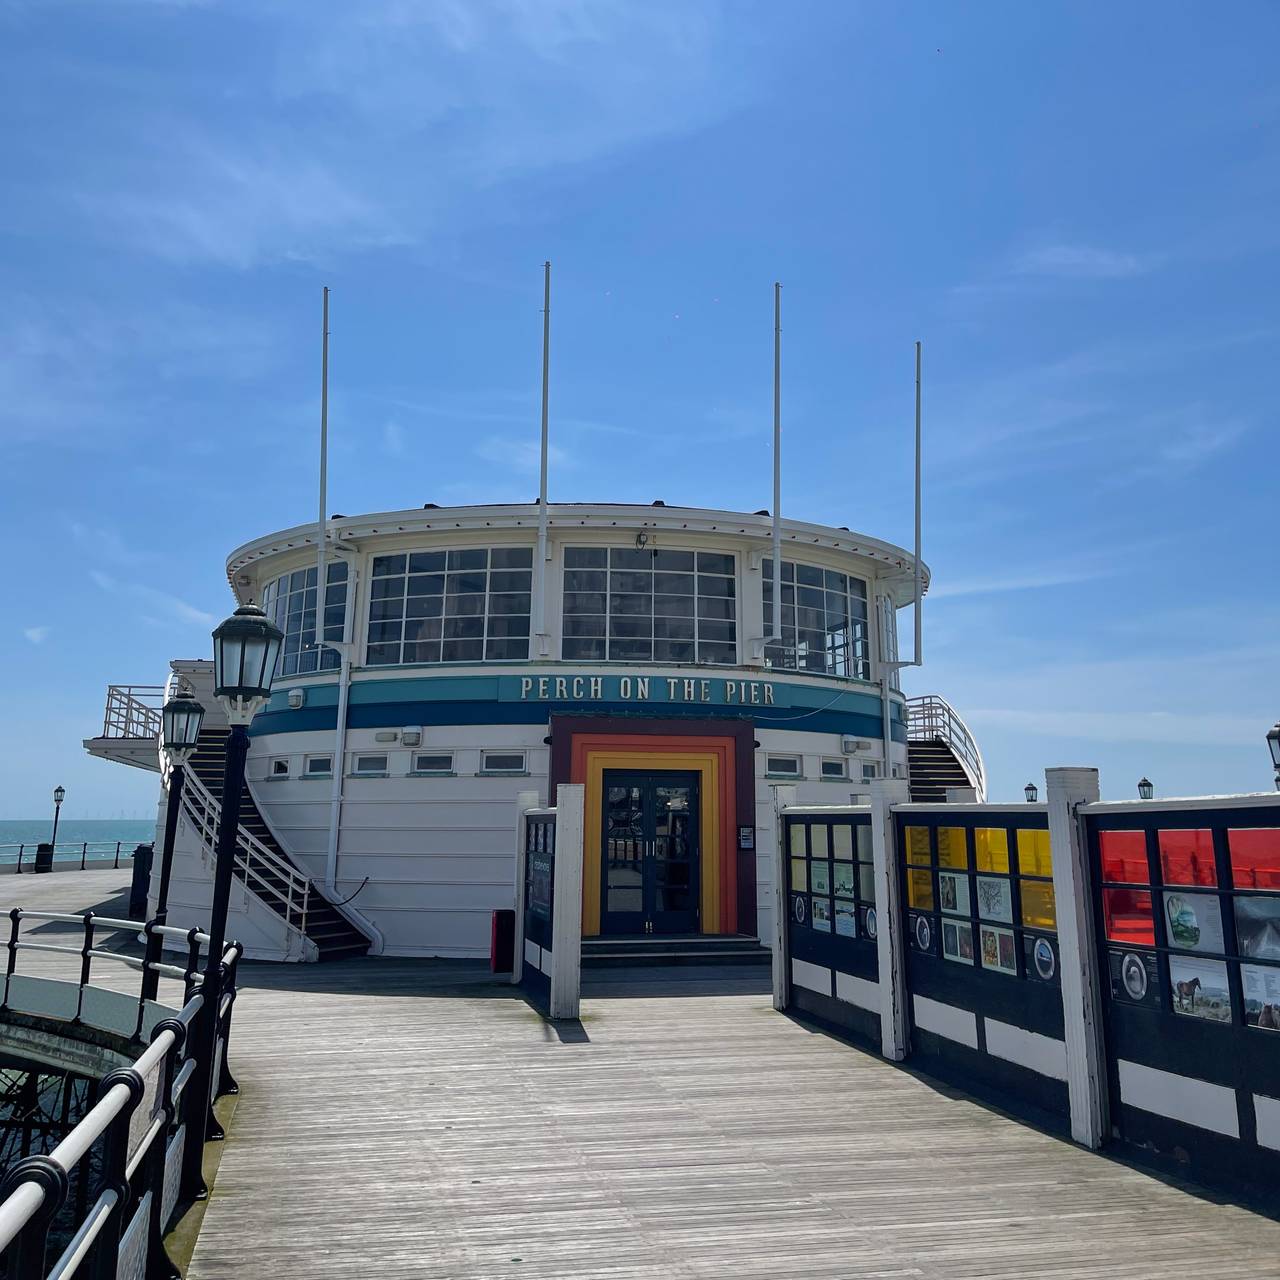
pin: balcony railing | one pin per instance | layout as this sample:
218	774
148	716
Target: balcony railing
133	711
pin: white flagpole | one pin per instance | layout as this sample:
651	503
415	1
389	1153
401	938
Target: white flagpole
776	636
540	579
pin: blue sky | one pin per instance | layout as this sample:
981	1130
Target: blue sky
1074	207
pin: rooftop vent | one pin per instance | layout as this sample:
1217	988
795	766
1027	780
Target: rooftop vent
431	506
760	513
659	503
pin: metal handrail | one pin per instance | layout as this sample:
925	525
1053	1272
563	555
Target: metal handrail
90	851
932	718
251	856
172	1142
133	711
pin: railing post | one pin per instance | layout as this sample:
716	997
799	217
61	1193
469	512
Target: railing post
84	850
104	1256
783	798
26	1255
193	963
21	847
117	861
11	963
159	1265
885	794
226	1084
194	1112
86	962
525	801
151	958
1067	790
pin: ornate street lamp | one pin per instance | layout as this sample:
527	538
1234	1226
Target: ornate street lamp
1146	789
245	649
1273	741
180	722
59	795
1032	792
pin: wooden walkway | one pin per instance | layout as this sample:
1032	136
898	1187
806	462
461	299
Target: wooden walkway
415	1119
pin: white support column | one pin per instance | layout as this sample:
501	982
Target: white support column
885	793
782	798
525	801
1067	790
566	913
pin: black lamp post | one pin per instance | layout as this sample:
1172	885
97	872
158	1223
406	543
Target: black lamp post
1273	741
180	723
59	795
245	649
1032	792
1146	789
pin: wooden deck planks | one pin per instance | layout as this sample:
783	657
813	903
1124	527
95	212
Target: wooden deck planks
415	1119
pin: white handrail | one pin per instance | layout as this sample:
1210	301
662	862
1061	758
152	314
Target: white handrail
932	718
202	811
132	711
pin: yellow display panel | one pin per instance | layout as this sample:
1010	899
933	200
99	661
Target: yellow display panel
1034	858
842	842
1039	910
991	849
818	839
799	875
797	838
953	848
918	846
920	890
864	843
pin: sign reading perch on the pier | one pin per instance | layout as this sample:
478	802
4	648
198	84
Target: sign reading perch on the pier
719	692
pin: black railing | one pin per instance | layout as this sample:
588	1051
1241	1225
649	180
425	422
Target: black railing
89	853
144	1139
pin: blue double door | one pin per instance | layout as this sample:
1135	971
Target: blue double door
649	853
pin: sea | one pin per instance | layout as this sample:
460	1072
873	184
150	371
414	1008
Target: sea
101	834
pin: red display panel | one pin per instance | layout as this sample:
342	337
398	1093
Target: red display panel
1186	857
1255	858
1124	856
1127	913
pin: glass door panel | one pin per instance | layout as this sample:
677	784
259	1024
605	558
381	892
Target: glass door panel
625	846
675	888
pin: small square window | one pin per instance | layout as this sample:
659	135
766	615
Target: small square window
279	768
835	769
782	766
369	764
319	766
502	762
433	763
870	772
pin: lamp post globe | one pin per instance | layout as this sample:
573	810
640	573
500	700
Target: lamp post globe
59	795
1146	789
1032	792
181	719
245	649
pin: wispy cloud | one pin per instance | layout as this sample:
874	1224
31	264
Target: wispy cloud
1122	726
162	603
519	455
37	635
393	439
1079	262
1031	580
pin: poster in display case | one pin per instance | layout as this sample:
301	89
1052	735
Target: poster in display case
1258	927
1193	921
820	877
1261	985
1199	988
844	879
870	928
953	892
800	910
921	932
846	918
998	949
957	941
821	919
1134	978
995	899
1040	958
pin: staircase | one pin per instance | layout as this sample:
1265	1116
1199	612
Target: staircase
941	751
931	768
602	953
260	861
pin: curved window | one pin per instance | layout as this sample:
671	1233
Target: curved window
468	605
627	605
824	621
290	602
